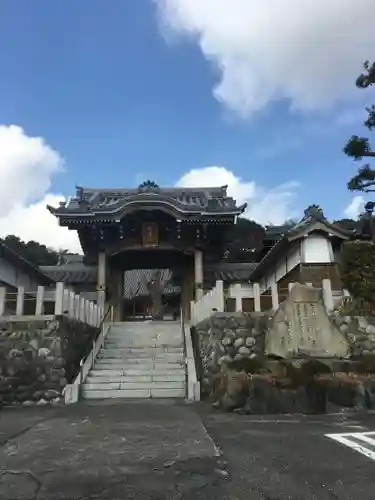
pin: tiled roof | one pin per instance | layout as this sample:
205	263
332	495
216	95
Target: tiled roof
91	202
20	262
231	272
79	273
71	273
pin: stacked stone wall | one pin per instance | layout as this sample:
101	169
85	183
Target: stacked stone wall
38	359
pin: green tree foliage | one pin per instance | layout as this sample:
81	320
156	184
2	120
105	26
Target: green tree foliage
348	224
32	251
244	241
359	147
357	269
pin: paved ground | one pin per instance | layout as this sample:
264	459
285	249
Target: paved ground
161	450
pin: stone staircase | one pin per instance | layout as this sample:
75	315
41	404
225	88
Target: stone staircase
139	360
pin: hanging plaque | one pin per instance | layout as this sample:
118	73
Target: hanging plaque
150	234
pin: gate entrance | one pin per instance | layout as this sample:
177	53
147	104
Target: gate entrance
167	231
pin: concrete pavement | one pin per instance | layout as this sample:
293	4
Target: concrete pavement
161	450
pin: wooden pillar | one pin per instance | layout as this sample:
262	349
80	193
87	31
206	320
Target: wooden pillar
275	296
198	274
119	294
101	285
187	292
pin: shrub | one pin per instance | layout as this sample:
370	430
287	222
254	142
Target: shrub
358	271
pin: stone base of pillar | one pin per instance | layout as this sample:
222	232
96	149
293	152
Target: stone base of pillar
117	311
101	298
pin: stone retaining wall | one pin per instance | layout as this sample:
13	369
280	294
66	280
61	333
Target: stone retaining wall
230	339
359	331
237	374
38	359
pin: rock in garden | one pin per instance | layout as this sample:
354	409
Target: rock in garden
244	350
14	353
237	386
43	352
225	360
250	341
239	342
51	394
344	328
370	329
227	341
42	402
34	343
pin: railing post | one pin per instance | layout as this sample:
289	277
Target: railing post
3	295
327	294
20	300
290	287
238	296
256	290
71	304
82	304
39	301
275	296
192	312
220	296
66	301
91	313
59	299
76	307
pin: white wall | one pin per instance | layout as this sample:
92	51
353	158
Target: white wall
283	266
314	249
14	277
317	249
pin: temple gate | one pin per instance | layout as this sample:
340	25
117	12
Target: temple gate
180	229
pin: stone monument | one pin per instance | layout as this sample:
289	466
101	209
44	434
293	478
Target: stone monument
302	328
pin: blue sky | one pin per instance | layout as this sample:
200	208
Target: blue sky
122	99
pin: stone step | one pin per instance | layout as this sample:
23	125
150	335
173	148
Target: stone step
141	350
103	377
146	357
142	342
135	372
144	334
112	358
151	345
133	393
101	386
115	364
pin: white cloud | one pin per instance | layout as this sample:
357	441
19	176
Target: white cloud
355	207
306	51
27	165
265	206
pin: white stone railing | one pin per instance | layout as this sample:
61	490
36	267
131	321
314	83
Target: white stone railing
211	302
72	391
215	299
193	384
59	301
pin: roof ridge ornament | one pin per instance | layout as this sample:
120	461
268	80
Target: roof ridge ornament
315	212
148	187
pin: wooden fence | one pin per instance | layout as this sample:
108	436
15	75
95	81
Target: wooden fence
237	301
49	301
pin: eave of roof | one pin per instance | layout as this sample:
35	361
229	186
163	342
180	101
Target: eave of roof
92	203
298	232
18	261
71	273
